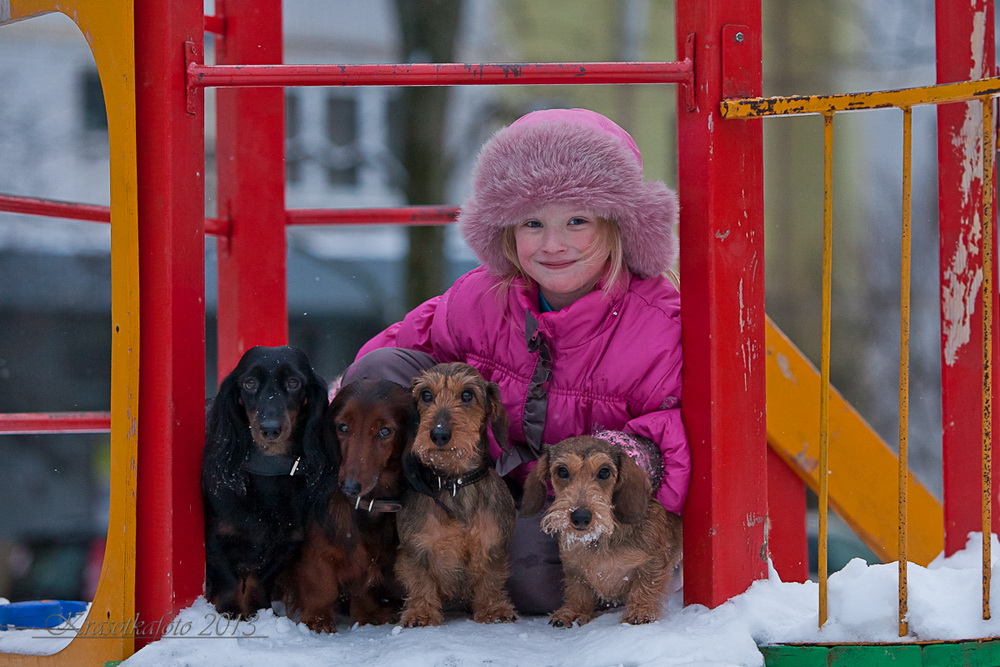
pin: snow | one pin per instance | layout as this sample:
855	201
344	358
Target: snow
944	603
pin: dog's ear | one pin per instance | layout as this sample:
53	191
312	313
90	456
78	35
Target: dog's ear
317	396
227	438
632	491
536	487
496	415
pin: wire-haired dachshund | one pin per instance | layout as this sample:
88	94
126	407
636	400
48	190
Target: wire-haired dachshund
350	546
251	479
616	542
458	516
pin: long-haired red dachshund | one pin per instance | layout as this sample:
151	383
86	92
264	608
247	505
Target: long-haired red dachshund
351	543
251	483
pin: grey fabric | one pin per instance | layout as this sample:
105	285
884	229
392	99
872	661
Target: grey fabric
390	363
536	405
536	575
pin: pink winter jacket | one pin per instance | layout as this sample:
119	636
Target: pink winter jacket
616	360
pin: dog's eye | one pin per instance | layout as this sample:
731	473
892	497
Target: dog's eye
426	396
604	473
293	383
467	396
384	432
342	428
250	384
562	472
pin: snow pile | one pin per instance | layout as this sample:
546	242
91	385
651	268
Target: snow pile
944	603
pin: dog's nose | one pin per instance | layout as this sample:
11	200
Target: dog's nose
580	518
270	429
351	487
440	435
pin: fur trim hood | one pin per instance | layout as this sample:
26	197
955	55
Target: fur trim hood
575	156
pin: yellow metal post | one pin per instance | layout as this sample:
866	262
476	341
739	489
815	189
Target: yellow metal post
824	392
987	288
109	28
904	364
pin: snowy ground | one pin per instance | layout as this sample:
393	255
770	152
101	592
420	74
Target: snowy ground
944	603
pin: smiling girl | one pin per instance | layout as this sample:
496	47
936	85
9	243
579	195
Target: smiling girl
570	313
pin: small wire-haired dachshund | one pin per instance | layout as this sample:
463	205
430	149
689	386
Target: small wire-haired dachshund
458	516
251	479
616	542
355	481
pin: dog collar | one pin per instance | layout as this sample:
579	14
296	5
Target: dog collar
276	465
376	505
453	484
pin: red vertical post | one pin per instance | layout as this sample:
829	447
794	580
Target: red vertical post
171	163
786	507
965	52
722	262
250	153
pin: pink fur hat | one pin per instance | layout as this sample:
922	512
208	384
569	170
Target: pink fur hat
575	156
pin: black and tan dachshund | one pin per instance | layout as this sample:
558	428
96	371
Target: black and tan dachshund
252	482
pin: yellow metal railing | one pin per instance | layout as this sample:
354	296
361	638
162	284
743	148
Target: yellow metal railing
983	90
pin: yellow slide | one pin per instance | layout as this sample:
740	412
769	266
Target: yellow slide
863	470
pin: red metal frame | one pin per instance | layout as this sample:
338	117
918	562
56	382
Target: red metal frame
55	422
171	197
722	261
250	163
965	51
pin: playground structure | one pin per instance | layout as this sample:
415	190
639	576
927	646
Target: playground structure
738	368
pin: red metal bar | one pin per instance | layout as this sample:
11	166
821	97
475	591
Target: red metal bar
250	159
171	199
55	209
403	215
16	423
215	24
965	51
439	74
786	508
722	259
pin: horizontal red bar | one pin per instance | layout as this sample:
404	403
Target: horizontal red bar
55	209
54	422
439	74
215	24
403	215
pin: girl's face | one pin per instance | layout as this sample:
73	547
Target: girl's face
558	247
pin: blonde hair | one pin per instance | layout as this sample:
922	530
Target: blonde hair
608	243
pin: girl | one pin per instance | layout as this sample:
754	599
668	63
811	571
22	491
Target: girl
570	313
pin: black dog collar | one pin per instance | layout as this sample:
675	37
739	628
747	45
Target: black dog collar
453	484
275	465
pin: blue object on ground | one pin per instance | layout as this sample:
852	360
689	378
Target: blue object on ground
38	613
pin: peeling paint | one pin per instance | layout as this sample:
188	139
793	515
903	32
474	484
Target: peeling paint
722	236
977	42
806	462
960	282
785	367
753	520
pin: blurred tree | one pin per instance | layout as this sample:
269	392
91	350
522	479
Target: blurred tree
428	30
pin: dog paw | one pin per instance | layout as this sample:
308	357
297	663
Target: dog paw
376	617
497	614
565	618
323	624
418	618
640	616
